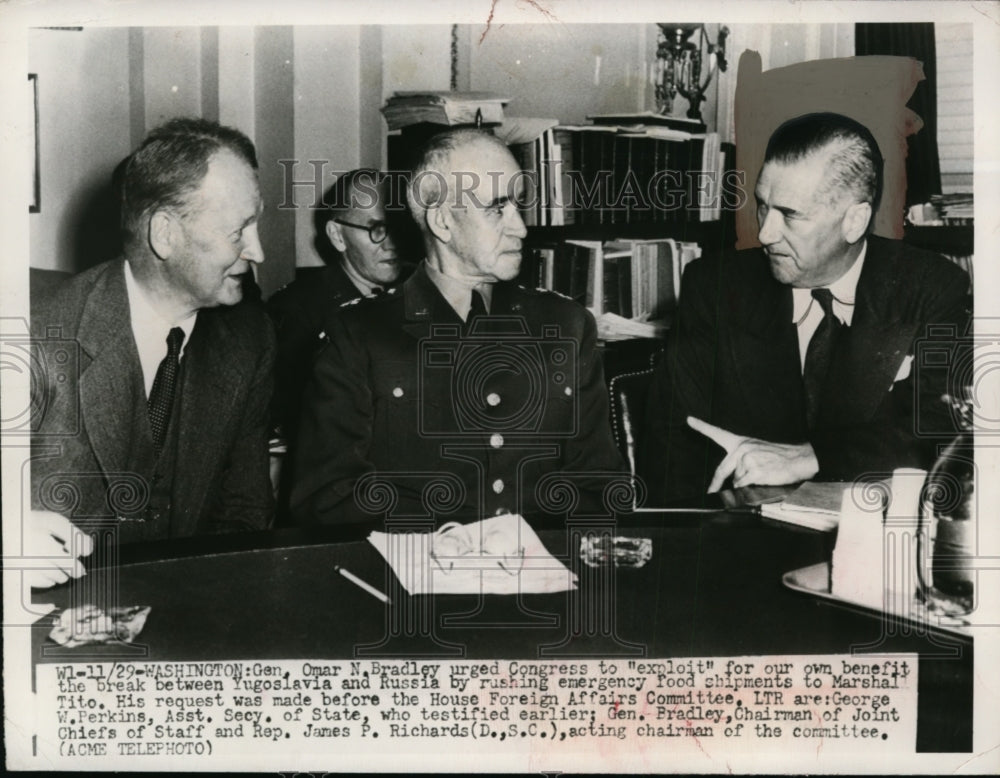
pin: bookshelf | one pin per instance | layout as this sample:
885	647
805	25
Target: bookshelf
619	208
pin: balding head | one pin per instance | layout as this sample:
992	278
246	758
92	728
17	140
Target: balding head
464	196
437	179
169	166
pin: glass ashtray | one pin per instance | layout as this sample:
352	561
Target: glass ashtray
604	550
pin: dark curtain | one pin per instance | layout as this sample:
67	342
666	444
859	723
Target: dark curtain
923	168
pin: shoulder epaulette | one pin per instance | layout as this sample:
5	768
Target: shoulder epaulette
543	291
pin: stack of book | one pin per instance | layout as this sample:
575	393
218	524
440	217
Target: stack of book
404	109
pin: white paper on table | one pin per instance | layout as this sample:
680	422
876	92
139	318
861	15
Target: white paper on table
500	555
814	505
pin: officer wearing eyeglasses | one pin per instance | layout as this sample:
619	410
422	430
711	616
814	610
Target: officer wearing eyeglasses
362	260
356	227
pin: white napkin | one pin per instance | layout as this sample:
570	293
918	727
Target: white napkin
501	555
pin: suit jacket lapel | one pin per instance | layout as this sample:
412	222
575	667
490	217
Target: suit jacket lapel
871	351
215	362
110	359
764	348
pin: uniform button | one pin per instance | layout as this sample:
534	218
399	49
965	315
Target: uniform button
397	392
496	440
500	511
498	485
568	391
493	399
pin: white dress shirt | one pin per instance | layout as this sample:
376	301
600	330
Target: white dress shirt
458	291
150	330
807	313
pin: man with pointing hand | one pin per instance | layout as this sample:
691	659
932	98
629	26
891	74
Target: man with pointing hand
756	462
794	361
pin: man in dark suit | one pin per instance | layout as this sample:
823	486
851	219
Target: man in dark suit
153	402
795	361
460	390
362	260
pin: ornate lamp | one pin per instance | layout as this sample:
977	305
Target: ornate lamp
679	65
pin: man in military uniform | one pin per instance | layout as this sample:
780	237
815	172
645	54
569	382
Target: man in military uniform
461	390
361	261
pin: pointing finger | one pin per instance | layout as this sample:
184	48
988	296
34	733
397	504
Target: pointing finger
728	440
724	470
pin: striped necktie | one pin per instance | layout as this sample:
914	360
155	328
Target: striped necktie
161	397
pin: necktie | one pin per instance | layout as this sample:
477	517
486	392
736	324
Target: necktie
817	365
476	309
377	291
161	397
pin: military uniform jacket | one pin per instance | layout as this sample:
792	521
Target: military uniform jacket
299	312
92	407
412	413
733	360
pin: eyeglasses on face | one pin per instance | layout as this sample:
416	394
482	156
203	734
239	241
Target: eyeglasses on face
376	230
